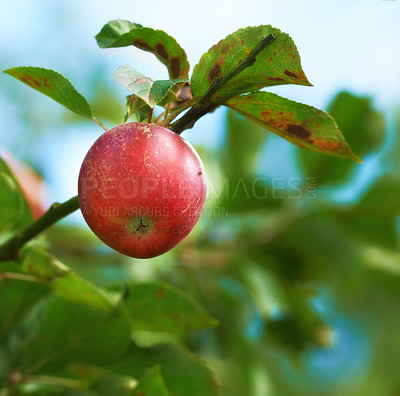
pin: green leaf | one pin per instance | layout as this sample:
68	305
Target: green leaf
16	298
14	211
148	91
53	85
75	288
38	262
374	218
277	64
113	30
151	384
11	201
135	105
63	280
121	33
135	82
67	332
4	365
105	382
160	307
361	125
165	91
184	374
302	125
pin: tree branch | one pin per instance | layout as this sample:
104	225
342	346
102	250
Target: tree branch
56	212
204	105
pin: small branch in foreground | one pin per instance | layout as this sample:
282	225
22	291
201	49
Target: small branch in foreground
57	381
56	212
21	277
204	105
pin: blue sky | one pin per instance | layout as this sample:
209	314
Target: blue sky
343	44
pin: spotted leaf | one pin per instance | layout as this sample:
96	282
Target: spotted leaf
277	64
53	85
121	33
302	125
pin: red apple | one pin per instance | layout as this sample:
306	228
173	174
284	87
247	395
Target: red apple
141	189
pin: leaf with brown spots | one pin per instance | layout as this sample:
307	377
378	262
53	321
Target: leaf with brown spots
121	33
364	129
302	125
162	308
277	64
150	92
53	85
151	384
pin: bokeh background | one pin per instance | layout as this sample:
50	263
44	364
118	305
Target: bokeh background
297	254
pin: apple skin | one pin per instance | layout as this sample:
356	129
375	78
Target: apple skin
141	189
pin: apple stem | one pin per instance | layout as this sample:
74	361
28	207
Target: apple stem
204	105
150	115
10	248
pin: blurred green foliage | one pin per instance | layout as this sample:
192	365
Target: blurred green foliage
305	288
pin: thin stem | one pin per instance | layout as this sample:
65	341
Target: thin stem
174	113
160	117
56	212
204	104
150	116
57	381
168	108
22	277
99	123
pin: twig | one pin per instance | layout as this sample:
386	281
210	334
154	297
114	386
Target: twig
56	212
21	277
57	381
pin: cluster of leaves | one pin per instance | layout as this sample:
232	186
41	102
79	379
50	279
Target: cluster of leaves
231	73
